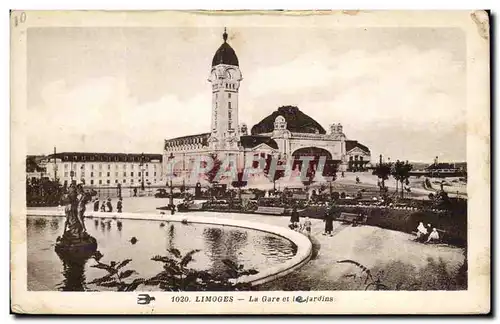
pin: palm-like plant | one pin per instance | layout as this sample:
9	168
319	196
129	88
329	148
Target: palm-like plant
116	278
401	172
176	276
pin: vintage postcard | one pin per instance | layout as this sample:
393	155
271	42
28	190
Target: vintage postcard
267	162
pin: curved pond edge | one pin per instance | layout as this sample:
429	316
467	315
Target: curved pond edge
304	245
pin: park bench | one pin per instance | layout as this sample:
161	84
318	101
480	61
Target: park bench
270	210
352	218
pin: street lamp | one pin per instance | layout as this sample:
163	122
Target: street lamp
141	165
169	175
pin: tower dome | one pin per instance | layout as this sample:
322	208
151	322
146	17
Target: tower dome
293	120
225	54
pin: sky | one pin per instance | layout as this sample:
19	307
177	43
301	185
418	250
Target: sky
399	91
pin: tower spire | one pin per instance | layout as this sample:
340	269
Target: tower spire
224	36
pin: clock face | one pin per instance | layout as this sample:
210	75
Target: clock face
220	72
213	75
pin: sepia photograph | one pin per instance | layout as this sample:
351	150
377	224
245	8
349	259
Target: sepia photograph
193	159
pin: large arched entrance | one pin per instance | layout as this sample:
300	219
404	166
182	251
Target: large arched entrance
315	154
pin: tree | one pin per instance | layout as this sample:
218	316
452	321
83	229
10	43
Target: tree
401	172
382	171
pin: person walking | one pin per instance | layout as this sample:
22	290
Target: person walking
119	205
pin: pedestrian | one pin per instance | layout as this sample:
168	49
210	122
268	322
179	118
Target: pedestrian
295	219
109	205
329	221
119	205
96	204
103	206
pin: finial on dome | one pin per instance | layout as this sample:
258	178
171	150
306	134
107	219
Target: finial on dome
224	36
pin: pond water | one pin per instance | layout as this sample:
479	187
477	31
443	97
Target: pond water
46	271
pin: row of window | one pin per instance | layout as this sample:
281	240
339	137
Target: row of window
108	158
356	158
108	174
124	166
92	182
216	86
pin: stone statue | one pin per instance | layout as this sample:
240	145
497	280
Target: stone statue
75	240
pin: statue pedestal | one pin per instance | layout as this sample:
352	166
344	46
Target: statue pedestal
77	248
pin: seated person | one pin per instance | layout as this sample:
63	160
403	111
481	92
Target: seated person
433	237
421	231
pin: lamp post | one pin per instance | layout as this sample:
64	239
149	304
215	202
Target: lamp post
183	172
55	165
141	165
169	175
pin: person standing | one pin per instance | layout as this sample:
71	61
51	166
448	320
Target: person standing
109	205
103	206
96	204
295	219
119	205
329	221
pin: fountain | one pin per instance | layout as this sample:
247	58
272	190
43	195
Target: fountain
75	244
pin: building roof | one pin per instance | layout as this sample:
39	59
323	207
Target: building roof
250	141
296	121
225	54
350	144
189	139
106	157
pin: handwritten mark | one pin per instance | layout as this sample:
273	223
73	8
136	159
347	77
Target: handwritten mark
300	299
21	19
144	299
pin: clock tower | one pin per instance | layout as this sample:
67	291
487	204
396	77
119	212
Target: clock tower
225	77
